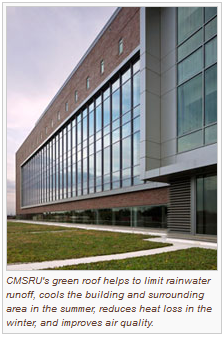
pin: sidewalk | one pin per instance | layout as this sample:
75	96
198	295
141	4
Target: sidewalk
177	244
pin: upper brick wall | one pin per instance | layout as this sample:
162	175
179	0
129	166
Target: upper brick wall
125	25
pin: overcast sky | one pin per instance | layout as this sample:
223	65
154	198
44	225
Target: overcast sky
44	44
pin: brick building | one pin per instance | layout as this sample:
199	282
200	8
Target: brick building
130	137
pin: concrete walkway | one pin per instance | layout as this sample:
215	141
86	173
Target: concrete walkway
177	244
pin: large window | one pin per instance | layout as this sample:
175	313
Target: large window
197	77
207	205
97	150
154	216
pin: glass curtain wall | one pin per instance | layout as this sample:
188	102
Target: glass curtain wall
154	216
97	150
197	77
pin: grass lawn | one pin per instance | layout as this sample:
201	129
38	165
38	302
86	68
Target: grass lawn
186	259
35	243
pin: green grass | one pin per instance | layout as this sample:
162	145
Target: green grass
20	227
186	259
36	243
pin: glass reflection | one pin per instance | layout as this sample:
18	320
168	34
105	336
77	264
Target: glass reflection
70	163
116	105
207	205
126	148
126	97
116	156
106	160
106	112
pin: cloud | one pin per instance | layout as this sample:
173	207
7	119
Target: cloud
10	196
10	186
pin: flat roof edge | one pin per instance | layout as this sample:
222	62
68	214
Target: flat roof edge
81	61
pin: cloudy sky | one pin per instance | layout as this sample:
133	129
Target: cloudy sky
44	44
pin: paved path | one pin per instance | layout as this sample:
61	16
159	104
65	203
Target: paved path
177	244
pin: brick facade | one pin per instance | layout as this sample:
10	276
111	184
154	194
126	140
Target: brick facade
159	196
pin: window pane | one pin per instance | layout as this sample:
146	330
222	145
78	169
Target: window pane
116	157
126	97
136	148
91	167
190	66
106	178
136	170
126	130
126	118
136	66
136	89
79	117
91	124
136	111
85	128
98	145
91	139
115	135
91	107
69	140
116	176
106	187
106	141
136	124
84	113
79	155
211	29
191	44
98	100
79	172
211	134
207	205
116	105
116	124
106	130
126	76
106	93
85	173
115	85
85	152
211	95
98	164
190	105
189	19
122	217
126	152
190	141
126	173
106	112
210	205
210	12
120	46
126	182
98	135
98	118
91	149
211	52
106	160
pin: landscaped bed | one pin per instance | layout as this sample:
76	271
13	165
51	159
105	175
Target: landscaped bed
185	259
35	243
